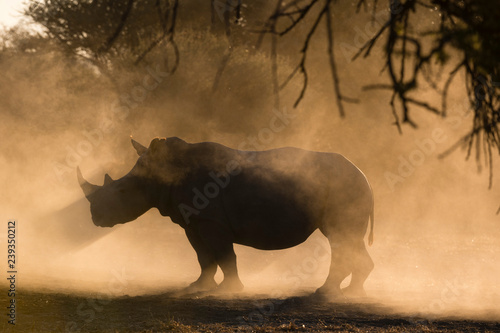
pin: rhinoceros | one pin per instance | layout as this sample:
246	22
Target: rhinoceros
269	200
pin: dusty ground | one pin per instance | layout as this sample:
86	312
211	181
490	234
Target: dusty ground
59	312
457	282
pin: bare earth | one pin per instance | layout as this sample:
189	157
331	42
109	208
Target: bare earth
58	312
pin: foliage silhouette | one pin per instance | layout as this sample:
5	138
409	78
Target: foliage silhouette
110	34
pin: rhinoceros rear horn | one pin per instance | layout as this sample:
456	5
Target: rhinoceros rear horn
138	147
107	179
87	187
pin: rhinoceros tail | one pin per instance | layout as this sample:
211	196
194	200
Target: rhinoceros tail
372	221
370	236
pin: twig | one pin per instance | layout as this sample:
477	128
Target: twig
227	54
302	64
167	32
333	66
447	86
105	48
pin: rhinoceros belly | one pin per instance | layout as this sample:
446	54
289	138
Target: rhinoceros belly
269	210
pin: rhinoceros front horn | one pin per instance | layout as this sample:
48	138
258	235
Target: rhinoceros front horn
87	187
138	147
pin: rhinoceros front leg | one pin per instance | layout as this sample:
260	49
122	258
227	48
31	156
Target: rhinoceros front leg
207	262
226	258
217	237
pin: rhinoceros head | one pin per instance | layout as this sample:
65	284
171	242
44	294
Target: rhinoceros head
125	199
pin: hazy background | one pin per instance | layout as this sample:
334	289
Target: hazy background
435	232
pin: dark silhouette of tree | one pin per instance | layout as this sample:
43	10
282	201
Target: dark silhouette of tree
109	33
466	39
468	28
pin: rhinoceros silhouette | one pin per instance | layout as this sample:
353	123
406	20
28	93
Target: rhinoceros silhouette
273	199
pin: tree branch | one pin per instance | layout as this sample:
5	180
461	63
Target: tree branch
109	43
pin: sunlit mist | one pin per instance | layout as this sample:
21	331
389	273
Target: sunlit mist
435	249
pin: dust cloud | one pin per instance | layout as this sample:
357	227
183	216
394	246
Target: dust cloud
436	245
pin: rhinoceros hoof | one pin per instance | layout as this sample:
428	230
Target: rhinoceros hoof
230	286
329	294
353	292
202	285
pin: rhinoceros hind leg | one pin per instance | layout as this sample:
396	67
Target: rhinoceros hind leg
340	268
362	267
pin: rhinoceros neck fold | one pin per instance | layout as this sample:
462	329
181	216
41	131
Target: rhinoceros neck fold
162	200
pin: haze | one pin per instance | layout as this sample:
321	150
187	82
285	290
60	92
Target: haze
436	233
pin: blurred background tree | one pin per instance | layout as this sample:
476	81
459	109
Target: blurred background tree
108	34
112	35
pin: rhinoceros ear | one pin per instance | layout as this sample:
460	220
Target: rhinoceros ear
87	187
156	145
138	147
107	179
